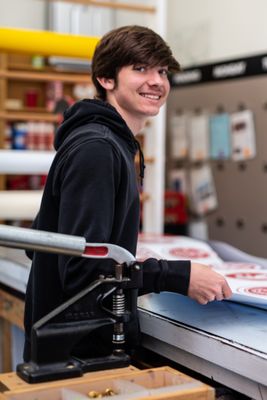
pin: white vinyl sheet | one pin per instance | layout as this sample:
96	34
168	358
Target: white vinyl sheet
19	204
25	161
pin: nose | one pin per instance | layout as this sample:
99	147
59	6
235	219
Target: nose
154	78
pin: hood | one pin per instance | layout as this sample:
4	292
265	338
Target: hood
97	111
94	111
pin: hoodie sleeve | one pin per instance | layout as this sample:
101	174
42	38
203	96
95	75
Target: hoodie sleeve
89	182
165	275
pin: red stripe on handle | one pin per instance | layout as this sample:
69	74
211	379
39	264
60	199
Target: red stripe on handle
96	251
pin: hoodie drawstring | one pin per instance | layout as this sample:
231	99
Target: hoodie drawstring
141	162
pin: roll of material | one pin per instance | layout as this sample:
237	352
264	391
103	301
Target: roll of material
25	161
46	43
51	242
19	204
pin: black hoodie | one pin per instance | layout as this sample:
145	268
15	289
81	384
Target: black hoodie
91	191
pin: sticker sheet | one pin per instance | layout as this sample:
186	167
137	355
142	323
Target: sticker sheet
248	281
220	136
202	196
179	138
243	135
198	132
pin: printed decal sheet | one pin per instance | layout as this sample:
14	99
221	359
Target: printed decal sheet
248	281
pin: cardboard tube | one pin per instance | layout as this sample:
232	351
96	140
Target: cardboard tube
46	43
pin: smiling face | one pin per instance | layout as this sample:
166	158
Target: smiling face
138	93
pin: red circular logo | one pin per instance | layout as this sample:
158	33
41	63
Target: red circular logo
240	265
260	290
189	253
257	276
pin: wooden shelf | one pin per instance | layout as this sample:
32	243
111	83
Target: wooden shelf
45	76
109	4
29	116
39	110
18	66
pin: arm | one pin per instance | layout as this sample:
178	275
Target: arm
197	281
163	275
87	202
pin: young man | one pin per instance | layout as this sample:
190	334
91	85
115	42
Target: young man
92	190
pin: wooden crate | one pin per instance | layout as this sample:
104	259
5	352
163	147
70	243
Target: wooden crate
162	383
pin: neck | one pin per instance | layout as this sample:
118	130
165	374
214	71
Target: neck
135	123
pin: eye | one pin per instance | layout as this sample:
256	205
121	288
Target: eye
140	68
163	71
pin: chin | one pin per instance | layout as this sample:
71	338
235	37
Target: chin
151	112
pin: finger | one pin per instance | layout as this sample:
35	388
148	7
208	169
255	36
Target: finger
202	301
212	298
219	296
226	290
209	299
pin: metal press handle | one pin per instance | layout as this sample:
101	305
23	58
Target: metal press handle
23	238
106	250
33	239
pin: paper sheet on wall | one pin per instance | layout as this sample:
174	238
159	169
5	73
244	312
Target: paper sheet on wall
178	136
243	135
202	195
178	180
248	281
220	136
198	132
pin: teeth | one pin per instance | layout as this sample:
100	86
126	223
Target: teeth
150	96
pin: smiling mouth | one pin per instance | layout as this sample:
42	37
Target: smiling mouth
150	96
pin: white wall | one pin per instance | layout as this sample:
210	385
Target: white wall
203	31
28	14
32	14
199	31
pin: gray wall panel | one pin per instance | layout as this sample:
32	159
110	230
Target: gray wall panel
242	192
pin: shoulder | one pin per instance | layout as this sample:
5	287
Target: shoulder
95	152
89	145
91	133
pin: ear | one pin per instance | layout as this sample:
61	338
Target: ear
107	83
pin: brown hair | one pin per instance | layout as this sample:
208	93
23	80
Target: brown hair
129	45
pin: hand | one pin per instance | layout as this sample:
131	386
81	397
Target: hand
207	285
